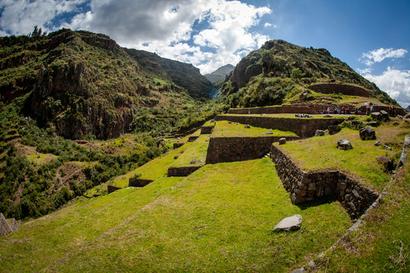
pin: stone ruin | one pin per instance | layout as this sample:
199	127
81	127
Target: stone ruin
8	226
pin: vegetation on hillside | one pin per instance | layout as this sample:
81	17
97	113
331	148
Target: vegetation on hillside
279	70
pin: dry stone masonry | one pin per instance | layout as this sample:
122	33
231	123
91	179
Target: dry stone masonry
323	185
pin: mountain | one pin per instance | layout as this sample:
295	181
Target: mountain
280	72
80	84
182	74
218	76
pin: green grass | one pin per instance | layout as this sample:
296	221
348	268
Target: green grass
382	244
195	153
209	123
219	219
231	129
321	153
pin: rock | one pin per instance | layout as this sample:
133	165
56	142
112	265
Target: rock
387	147
299	270
282	141
344	144
4	226
373	123
247	126
378	143
367	133
289	223
319	133
387	163
384	115
407	116
269	133
334	129
376	115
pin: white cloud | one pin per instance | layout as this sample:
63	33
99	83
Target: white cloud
378	55
267	24
395	82
20	16
225	35
167	28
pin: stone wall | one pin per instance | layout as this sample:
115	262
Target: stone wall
229	149
345	89
138	182
182	171
303	127
4	226
111	188
207	129
322	185
309	108
192	138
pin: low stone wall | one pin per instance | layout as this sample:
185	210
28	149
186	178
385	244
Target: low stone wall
207	129
322	185
303	127
345	89
309	108
111	188
229	149
138	182
192	138
177	145
182	171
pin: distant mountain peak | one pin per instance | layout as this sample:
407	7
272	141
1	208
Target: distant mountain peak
218	76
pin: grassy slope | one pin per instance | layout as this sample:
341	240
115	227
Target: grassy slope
218	219
382	244
226	129
195	154
321	153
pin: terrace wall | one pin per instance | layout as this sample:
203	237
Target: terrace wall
322	185
182	171
229	149
345	89
302	127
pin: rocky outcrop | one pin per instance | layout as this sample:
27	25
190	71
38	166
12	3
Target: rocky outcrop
308	186
8	226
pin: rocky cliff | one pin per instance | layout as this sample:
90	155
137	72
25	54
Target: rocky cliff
219	76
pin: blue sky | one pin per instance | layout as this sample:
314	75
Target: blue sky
371	36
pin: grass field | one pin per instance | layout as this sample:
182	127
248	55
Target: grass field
321	153
382	244
224	128
219	219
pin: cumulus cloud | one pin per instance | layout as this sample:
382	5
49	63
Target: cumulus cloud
20	17
395	82
206	33
378	55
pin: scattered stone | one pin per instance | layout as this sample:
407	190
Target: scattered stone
376	115
378	143
344	144
299	270
290	223
387	147
334	129
269	133
404	151
282	141
319	133
387	163
373	123
247	126
302	115
367	133
327	116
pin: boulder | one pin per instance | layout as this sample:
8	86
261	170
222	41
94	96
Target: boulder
378	143
320	133
282	140
373	123
289	223
4	226
247	126
384	115
367	133
344	144
387	163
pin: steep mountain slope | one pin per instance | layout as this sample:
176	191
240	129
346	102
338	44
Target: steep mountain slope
218	76
182	74
280	72
81	83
